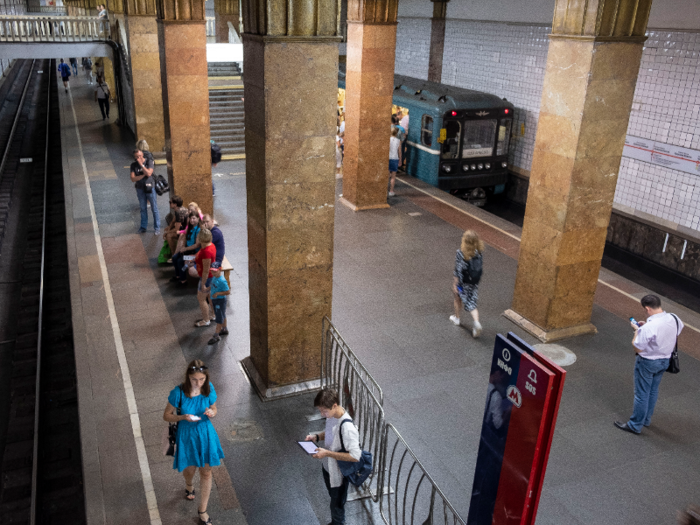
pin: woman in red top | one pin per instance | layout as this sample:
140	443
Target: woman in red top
204	258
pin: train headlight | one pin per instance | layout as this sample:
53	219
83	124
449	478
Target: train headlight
504	164
447	169
473	166
488	166
481	166
465	167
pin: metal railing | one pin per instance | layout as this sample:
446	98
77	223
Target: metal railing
53	29
359	394
415	497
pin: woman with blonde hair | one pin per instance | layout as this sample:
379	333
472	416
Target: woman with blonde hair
467	274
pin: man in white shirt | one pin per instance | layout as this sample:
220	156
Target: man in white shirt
327	403
653	341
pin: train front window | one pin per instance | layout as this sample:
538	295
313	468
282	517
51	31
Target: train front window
503	137
479	137
450	147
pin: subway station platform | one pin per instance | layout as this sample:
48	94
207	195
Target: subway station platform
392	279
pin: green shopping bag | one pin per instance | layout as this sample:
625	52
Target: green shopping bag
164	254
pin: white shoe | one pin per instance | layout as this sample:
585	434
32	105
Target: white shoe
392	194
476	330
454	319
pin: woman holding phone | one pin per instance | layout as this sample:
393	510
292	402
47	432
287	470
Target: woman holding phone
198	445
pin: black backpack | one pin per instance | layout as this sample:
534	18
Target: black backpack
161	184
215	153
472	273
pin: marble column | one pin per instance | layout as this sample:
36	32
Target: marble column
142	37
437	40
371	50
182	39
291	85
226	11
593	62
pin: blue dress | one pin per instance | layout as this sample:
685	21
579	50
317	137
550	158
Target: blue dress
197	441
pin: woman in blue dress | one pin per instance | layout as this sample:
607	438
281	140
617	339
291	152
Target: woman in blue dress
198	444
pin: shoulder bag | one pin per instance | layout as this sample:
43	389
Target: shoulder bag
356	472
169	439
673	364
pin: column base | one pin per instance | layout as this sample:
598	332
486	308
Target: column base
547	336
350	205
266	393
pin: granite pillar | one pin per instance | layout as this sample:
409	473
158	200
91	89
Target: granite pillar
226	11
592	67
290	99
371	50
437	40
183	63
142	36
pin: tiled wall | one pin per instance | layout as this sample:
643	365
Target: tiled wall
509	60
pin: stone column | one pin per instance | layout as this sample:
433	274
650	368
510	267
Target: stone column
142	36
592	66
437	40
371	47
291	86
182	38
226	11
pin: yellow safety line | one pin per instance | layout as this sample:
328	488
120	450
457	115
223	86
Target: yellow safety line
237	156
226	87
517	239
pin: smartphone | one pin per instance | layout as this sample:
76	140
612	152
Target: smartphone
634	322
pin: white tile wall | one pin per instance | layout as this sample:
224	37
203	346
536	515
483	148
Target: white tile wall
509	61
413	47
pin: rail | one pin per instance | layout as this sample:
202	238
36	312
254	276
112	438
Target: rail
415	497
37	404
53	29
10	137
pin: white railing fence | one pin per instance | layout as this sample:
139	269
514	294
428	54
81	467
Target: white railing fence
53	29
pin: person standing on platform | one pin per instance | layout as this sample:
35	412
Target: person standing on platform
403	122
192	405
467	274
328	404
394	159
74	65
64	70
102	95
653	341
205	257
87	67
219	298
141	176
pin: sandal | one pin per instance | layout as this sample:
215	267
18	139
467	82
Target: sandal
189	493
202	323
208	522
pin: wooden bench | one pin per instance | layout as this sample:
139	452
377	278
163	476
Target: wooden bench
226	268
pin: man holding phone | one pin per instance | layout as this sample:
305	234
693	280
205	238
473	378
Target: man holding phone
141	175
653	341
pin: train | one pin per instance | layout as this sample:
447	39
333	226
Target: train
458	139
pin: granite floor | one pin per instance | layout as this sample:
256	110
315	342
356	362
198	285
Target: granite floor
391	302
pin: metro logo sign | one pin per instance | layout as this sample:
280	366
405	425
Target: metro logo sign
522	401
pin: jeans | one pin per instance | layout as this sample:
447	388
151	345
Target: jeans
75	69
178	263
104	107
148	197
647	378
339	495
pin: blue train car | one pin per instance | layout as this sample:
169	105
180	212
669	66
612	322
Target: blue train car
457	139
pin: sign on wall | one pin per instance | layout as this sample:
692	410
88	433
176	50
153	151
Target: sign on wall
660	154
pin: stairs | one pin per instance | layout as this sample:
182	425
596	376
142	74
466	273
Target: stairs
227	123
223	69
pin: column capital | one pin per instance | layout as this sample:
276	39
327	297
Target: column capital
293	18
226	7
181	10
115	6
140	7
624	20
373	11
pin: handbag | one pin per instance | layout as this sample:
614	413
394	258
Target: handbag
673	364
356	472
169	439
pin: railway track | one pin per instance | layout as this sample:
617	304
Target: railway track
41	481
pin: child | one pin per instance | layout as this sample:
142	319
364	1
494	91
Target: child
188	238
219	290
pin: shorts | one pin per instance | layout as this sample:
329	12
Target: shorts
393	165
219	305
65	79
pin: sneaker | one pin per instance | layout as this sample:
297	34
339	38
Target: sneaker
476	330
202	323
141	230
170	261
215	339
455	320
157	233
224	332
212	317
392	194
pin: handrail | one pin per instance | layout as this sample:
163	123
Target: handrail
14	123
53	29
37	395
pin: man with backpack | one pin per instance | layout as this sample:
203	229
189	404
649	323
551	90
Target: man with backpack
141	176
64	70
102	95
